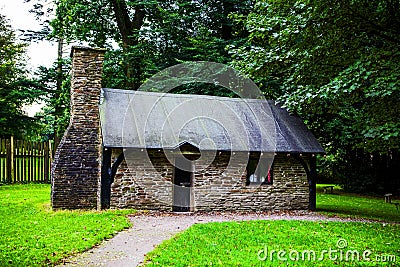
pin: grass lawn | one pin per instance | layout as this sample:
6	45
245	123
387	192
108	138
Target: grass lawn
33	235
354	206
258	243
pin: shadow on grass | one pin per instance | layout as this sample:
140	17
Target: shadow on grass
356	206
361	214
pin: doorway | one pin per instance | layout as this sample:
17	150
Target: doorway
183	183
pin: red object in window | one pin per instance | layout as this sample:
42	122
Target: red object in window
269	176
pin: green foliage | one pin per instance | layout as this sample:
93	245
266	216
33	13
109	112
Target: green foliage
239	243
55	84
335	65
332	64
151	35
16	90
33	235
83	20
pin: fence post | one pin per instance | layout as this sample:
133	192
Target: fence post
12	163
46	161
13	159
8	160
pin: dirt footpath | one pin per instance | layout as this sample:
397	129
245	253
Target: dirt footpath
128	248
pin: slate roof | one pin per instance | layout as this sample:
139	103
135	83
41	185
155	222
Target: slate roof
140	119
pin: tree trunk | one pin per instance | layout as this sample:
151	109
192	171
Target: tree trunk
228	7
129	30
58	109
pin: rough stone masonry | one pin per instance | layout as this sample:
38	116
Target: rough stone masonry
150	188
76	169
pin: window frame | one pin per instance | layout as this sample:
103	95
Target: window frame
253	167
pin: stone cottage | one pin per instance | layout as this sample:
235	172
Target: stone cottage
147	150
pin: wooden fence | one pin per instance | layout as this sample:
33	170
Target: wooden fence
23	161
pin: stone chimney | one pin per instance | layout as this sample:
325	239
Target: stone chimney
76	169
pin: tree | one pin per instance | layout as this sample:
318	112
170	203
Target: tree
55	81
152	34
337	66
16	90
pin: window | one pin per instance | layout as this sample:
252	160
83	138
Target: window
259	171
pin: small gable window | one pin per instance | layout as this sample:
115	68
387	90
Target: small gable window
259	171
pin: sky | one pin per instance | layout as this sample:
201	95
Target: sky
43	53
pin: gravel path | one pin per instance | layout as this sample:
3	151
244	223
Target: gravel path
128	248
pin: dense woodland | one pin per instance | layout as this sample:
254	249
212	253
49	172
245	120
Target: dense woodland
336	64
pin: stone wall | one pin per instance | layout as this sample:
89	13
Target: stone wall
75	173
142	185
145	187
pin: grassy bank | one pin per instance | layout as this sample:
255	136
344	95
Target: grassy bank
33	235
